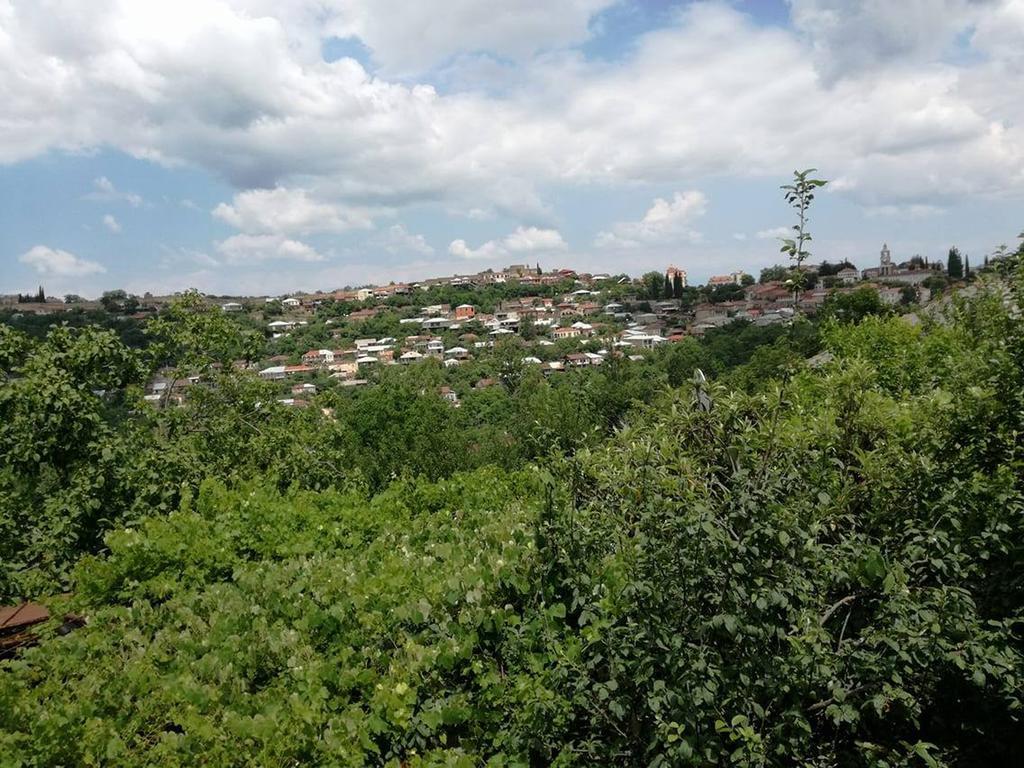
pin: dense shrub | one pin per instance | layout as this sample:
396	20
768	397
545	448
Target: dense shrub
822	567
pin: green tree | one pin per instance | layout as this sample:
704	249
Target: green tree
800	194
652	285
193	334
853	306
954	264
68	451
508	359
773	274
119	301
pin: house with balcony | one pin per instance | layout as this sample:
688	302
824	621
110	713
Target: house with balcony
318	357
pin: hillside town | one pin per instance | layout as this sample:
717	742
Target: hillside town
558	320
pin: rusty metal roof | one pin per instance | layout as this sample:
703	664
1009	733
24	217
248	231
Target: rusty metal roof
15	617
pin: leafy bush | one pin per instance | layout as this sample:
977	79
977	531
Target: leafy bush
822	568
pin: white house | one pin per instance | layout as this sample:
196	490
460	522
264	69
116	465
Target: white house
643	340
848	275
318	357
291	302
436	323
231	306
273	373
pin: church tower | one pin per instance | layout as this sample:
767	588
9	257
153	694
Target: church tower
886	260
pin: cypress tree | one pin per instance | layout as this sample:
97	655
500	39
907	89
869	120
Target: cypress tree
677	286
954	264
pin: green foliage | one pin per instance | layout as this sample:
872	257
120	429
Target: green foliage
853	306
652	286
783	566
774	273
195	334
819	574
955	264
800	194
720	293
827	268
309	629
66	453
119	301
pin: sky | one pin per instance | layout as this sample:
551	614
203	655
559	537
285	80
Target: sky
263	147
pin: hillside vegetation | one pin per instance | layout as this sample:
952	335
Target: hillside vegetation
782	566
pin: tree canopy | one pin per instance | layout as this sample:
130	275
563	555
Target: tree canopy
775	563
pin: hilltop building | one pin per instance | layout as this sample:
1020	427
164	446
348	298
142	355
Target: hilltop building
908	274
671	273
733	278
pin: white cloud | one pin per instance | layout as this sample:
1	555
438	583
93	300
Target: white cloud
774	233
905	211
288	211
408	37
999	32
398	239
105	191
111	224
58	263
176	257
250	249
666	221
851	35
238	88
521	243
739	236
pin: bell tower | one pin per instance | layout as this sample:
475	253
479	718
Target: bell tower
886	261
